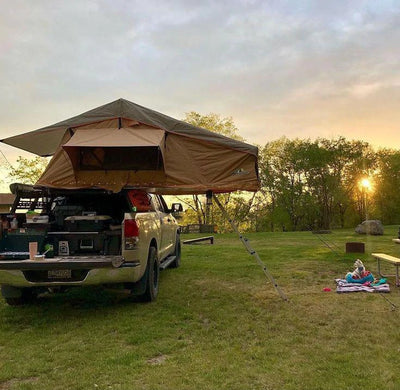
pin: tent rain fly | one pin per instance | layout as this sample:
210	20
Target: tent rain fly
124	145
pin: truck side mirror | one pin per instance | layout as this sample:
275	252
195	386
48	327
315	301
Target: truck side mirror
176	208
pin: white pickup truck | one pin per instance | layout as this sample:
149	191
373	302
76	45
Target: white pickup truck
86	237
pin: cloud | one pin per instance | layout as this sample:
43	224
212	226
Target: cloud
278	67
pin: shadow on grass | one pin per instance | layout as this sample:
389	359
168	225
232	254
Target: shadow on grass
66	307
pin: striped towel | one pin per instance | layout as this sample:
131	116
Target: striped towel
344	287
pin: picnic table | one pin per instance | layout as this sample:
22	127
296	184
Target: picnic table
390	259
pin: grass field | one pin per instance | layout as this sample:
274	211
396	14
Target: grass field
217	324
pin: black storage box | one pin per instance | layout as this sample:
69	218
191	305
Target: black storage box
16	241
78	243
87	223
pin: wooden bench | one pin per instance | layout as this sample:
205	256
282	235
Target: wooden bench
390	259
196	240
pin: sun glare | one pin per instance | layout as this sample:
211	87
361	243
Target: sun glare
366	184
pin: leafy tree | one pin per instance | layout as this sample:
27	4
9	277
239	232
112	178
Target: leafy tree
214	122
195	212
283	179
352	161
386	187
314	184
26	170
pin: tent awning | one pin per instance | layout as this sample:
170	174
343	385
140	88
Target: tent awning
140	136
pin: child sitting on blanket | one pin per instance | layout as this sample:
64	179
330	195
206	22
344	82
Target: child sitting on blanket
360	274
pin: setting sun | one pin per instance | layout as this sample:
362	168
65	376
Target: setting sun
366	184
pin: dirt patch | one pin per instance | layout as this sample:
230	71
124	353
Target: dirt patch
8	384
155	361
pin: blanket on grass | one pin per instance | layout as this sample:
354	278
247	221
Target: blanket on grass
344	287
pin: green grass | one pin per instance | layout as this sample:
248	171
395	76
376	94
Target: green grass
217	324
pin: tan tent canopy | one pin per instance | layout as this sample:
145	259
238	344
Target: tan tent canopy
122	144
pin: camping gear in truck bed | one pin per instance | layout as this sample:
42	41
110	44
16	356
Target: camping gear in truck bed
15	243
75	243
61	212
87	223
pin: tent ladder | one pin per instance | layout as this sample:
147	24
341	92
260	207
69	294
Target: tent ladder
249	248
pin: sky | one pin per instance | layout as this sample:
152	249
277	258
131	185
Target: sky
278	68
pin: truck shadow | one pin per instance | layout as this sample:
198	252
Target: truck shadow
79	314
81	301
86	298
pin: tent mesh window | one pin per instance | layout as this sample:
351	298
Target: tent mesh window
130	158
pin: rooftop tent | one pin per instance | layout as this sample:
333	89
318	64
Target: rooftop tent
122	144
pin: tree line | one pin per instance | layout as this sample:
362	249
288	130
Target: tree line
328	183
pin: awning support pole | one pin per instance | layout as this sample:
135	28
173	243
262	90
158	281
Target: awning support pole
250	249
209	196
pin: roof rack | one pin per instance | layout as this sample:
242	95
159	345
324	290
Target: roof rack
27	197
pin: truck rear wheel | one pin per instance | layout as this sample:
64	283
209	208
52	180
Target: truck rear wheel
27	295
15	301
153	274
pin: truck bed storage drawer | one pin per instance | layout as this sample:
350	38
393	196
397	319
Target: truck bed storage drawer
87	223
78	243
19	242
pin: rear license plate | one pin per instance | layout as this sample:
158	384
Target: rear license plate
59	274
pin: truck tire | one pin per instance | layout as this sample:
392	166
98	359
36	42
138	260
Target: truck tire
177	253
153	275
27	296
15	301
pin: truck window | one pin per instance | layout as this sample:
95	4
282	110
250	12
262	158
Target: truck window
140	200
157	204
164	206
